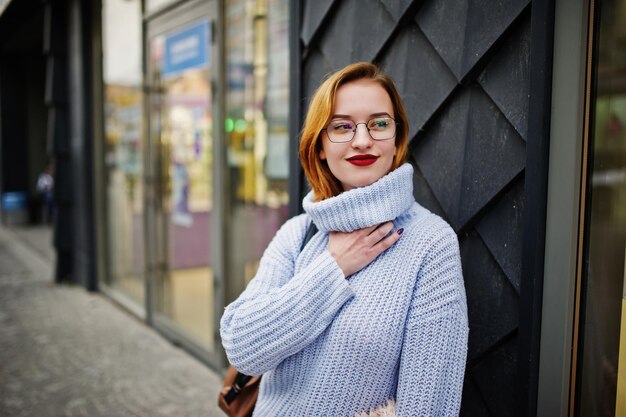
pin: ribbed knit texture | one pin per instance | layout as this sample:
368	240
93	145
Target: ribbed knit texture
328	345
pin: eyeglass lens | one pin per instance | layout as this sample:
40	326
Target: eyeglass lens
343	130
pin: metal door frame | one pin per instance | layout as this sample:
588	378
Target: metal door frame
565	187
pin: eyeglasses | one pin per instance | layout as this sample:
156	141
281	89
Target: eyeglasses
343	130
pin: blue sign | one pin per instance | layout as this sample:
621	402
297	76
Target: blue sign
186	49
14	200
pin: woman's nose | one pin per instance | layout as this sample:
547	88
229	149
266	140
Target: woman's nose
362	138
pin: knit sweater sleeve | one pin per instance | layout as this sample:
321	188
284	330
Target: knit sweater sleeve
432	363
281	312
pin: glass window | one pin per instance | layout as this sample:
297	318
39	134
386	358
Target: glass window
181	117
256	130
156	5
602	383
123	101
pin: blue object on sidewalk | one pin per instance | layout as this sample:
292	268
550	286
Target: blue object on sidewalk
14	208
14	201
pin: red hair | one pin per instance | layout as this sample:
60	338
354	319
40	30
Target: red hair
322	181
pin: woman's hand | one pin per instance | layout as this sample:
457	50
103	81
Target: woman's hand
355	250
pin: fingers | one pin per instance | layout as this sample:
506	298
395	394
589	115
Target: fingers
368	230
376	227
387	242
379	233
355	250
365	238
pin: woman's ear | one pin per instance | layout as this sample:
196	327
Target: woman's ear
320	145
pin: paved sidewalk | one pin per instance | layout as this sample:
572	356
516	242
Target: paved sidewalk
37	238
65	352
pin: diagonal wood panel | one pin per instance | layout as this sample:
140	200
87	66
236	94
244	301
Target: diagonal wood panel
356	31
492	302
506	79
397	7
419	73
462	31
469	155
501	228
314	12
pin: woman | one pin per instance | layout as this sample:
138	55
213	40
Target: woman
372	311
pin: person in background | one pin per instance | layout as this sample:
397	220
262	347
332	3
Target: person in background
45	189
370	317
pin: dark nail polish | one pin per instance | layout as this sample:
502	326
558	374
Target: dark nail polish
400	231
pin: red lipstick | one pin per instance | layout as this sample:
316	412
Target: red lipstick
362	160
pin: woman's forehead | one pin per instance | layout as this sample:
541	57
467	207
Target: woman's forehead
363	98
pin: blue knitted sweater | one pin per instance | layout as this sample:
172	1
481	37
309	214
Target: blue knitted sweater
328	345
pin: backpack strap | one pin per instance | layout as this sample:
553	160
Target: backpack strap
310	231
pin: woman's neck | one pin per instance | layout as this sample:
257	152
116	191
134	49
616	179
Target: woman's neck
366	206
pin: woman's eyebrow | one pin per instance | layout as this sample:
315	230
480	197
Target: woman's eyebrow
347	116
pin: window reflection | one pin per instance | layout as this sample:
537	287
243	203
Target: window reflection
156	5
256	130
182	127
602	393
121	22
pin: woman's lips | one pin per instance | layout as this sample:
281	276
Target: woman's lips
362	160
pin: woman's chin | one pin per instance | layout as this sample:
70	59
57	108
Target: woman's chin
358	184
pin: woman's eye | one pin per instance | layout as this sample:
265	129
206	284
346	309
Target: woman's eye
379	124
342	126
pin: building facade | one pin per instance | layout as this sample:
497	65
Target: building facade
173	128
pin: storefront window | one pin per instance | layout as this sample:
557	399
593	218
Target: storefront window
181	117
121	26
256	130
156	5
602	382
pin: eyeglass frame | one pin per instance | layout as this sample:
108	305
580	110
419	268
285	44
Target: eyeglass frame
356	125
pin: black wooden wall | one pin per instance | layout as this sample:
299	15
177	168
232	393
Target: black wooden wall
68	89
463	68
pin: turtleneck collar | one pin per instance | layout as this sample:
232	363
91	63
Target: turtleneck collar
366	206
